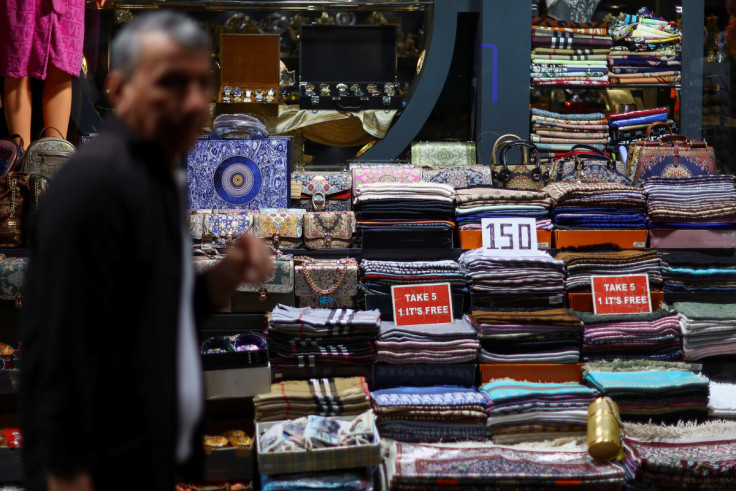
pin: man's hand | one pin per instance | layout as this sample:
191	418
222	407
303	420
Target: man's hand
79	482
248	261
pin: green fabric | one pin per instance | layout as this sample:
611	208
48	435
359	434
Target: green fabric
590	318
699	310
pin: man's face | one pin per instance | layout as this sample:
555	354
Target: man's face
166	98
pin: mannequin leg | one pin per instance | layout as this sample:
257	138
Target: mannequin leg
57	101
17	103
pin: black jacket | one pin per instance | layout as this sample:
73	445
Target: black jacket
100	317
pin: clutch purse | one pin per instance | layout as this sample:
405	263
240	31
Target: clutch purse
674	156
223	227
529	174
459	177
398	173
280	229
443	154
328	283
329	229
589	167
321	191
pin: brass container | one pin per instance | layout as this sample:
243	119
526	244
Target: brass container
604	432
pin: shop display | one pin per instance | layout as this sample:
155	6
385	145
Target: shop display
443	154
321	191
707	329
329	229
326	283
250	69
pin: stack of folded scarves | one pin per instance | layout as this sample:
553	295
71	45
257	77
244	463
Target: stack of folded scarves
649	336
681	456
597	206
696	272
455	342
539	273
630	126
544	336
556	133
647	50
529	411
324	396
474	204
476	465
646	389
378	276
431	414
722	400
581	266
398	206
702	202
570	55
708	329
307	337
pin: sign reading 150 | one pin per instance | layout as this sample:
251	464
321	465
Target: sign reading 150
509	236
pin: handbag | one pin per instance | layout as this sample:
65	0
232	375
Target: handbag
46	155
326	283
14	203
280	229
525	175
321	191
443	154
674	156
459	177
224	227
633	151
395	173
329	229
589	167
12	277
11	154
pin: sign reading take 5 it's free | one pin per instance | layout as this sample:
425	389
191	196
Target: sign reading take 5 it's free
621	294
429	303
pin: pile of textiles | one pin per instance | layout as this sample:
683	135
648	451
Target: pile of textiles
556	133
682	456
531	411
539	273
476	465
347	396
630	126
708	329
722	400
431	414
474	204
645	389
396	206
697	272
378	276
651	336
455	342
337	480
647	50
597	205
702	202
543	336
307	337
581	266
571	55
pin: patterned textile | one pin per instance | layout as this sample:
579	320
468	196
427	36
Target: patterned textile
582	265
698	272
707	329
455	342
538	273
323	322
691	200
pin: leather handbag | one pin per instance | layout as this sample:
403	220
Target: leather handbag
459	177
395	173
595	166
12	277
674	156
11	154
14	203
280	229
47	154
321	191
633	151
443	154
326	283
529	174
329	229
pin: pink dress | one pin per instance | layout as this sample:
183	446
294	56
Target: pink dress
34	33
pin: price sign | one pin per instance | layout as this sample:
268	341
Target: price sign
621	294
422	304
509	236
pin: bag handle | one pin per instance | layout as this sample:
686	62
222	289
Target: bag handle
43	132
658	123
596	153
500	142
675	139
525	146
313	285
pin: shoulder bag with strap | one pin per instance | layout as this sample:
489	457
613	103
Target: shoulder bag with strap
46	155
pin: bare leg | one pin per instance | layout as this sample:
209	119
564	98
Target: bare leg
57	101
17	103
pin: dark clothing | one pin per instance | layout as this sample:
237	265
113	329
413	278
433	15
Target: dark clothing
100	321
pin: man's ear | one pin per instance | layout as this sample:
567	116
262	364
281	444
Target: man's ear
115	85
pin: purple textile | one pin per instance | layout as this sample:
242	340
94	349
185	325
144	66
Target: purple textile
34	33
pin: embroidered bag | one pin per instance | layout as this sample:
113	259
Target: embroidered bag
329	229
46	155
633	151
11	154
525	175
459	177
443	154
281	229
589	167
321	191
674	156
326	283
394	173
14	202
224	227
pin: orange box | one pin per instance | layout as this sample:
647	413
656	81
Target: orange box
472	239
532	372
625	239
583	302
